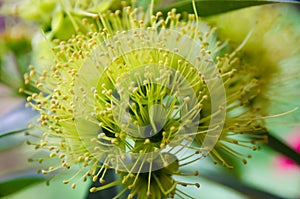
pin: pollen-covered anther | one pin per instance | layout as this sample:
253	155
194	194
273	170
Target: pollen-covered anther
62	156
254	148
80	159
147	141
173	128
93	189
29	98
27	79
50	169
66	165
51	148
66	181
43	143
52	155
44	172
95	178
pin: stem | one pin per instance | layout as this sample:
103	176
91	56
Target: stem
280	147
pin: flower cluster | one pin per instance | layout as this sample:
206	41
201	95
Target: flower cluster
144	95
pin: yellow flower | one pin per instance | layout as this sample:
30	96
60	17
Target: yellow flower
144	95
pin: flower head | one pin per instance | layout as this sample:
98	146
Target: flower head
144	95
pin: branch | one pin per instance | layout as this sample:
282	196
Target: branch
280	147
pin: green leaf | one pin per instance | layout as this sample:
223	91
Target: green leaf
212	7
9	140
2	135
16	183
235	184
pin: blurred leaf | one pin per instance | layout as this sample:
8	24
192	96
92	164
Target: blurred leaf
228	181
16	183
12	126
16	119
55	190
2	135
144	3
225	179
212	7
10	73
11	140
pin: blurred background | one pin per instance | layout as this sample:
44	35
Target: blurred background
268	174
